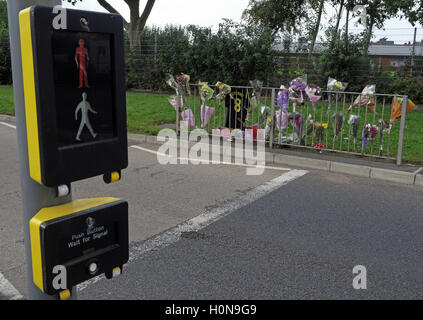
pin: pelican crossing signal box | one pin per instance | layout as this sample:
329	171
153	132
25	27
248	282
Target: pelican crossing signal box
75	107
85	237
75	103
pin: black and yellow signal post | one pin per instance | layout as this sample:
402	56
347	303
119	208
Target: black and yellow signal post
71	120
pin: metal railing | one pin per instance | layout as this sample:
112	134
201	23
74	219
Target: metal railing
334	124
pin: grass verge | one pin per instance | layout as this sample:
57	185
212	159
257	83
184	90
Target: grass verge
146	112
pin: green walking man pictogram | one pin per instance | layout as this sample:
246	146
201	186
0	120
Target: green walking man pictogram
84	106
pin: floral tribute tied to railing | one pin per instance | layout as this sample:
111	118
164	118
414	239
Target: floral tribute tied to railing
301	115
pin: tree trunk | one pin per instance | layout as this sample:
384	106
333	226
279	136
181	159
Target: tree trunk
347	30
316	30
338	21
137	22
369	36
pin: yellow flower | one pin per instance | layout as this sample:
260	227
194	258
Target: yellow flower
325	125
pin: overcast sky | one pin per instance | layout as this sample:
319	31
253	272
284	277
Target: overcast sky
210	13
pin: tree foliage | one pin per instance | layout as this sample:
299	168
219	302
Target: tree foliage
345	63
277	15
5	62
235	54
137	21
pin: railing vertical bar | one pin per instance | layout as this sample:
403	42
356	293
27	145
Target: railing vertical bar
383	125
341	147
365	117
374	123
402	129
272	128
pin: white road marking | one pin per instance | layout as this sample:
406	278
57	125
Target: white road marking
189	159
7	290
205	219
193	225
211	162
8	125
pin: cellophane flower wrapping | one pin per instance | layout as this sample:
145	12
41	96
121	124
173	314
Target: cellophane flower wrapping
383	127
370	132
297	122
206	93
299	84
206	112
188	117
173	101
281	120
224	90
313	95
397	108
171	81
366	99
354	122
338	123
257	87
183	82
282	100
337	86
295	97
255	99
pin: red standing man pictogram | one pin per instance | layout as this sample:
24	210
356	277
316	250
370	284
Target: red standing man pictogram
82	60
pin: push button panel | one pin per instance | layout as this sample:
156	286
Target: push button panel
85	243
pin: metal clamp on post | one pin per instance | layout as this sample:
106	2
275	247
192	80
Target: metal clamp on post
112	177
63	190
65	294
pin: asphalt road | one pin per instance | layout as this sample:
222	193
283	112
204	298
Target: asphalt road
301	241
211	232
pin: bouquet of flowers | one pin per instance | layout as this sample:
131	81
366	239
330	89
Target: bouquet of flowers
369	134
338	125
282	100
297	91
183	82
313	95
256	95
299	84
297	122
266	115
181	87
384	127
206	94
281	120
170	80
366	99
319	133
397	108
354	122
268	127
295	97
224	90
336	86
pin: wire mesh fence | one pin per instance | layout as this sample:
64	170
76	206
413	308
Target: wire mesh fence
342	122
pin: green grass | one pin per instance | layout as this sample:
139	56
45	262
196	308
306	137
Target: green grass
6	101
146	112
